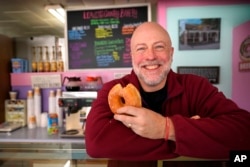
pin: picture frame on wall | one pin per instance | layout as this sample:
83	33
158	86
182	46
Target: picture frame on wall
199	33
211	73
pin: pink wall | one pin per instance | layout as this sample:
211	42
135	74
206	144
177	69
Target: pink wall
240	80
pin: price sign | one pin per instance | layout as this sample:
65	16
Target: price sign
46	81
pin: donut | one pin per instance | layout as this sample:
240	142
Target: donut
127	96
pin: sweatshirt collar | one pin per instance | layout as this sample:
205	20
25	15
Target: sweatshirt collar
174	87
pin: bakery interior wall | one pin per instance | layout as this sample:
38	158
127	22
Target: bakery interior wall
167	13
241	79
232	14
23	49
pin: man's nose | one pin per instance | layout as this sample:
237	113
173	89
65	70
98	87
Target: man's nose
150	54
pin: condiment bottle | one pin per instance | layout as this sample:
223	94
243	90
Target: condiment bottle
60	63
40	66
53	62
34	61
46	62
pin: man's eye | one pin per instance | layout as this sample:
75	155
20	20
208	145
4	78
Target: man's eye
159	47
140	49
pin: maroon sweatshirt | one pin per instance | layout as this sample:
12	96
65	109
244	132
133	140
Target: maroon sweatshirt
223	125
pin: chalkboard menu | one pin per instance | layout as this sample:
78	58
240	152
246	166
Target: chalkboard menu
100	38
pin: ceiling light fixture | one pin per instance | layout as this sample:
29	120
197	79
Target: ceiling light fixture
57	11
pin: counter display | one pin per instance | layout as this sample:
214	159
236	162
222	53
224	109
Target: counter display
36	148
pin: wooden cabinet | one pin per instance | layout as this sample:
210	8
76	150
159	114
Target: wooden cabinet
6	53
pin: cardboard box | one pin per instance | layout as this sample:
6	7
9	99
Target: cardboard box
19	65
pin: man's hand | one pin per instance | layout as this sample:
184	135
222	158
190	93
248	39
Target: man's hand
142	121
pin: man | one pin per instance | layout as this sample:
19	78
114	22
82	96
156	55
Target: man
182	115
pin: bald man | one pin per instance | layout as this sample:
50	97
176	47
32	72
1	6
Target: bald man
181	114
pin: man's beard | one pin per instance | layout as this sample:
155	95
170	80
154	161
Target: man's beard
152	79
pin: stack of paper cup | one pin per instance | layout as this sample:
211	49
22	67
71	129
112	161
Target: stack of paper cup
59	110
13	95
30	110
44	118
52	102
37	106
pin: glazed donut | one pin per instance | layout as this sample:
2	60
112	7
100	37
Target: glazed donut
127	96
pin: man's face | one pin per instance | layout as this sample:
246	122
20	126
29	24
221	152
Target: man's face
151	57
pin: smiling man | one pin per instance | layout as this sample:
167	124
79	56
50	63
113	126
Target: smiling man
181	114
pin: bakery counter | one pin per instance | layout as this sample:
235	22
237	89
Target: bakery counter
38	143
35	147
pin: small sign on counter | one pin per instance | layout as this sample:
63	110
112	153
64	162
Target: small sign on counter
46	81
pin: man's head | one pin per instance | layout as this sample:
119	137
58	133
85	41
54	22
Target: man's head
152	55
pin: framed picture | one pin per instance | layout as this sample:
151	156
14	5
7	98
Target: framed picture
199	33
209	72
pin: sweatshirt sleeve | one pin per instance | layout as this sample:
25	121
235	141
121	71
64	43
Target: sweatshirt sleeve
108	138
223	125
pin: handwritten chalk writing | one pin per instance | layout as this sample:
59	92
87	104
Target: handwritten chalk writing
104	27
76	34
103	50
94	22
129	28
108	49
116	56
126	58
114	13
133	24
109	21
103	32
104	60
128	13
116	41
127	45
80	63
103	35
114	21
76	55
75	46
80	28
103	22
108	42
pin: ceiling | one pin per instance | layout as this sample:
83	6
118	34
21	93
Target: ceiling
28	18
